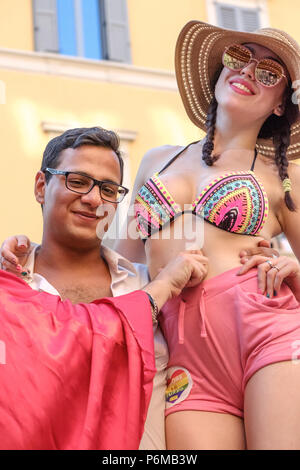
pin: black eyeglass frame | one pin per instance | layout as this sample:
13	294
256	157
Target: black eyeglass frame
98	183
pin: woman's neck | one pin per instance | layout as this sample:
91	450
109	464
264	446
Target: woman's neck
234	134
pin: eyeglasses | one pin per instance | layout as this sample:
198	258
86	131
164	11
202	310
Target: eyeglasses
82	184
268	72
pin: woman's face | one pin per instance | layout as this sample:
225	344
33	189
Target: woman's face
240	91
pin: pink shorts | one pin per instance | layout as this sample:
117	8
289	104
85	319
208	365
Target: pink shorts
219	334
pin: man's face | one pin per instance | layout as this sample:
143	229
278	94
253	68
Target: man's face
70	217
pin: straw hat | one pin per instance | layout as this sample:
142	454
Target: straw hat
198	56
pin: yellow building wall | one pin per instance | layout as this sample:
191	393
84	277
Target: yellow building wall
157	117
16	24
154	28
285	15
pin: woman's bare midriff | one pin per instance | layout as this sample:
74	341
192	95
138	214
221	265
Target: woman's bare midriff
222	249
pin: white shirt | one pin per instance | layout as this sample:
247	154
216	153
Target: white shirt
126	277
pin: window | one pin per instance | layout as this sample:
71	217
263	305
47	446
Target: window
243	15
95	29
233	17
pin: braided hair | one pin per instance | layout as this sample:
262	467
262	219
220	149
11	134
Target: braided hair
276	127
279	128
210	134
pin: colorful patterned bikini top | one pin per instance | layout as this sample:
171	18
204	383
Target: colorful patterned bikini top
235	202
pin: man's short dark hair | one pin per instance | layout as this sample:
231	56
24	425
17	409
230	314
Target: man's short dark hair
74	138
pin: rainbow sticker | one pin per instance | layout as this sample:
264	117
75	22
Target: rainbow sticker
179	384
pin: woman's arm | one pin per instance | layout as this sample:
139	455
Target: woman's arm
290	221
14	253
271	272
287	268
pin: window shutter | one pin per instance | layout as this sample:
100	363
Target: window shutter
227	16
91	19
45	25
66	27
249	19
116	41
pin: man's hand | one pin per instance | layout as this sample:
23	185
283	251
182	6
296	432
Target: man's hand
263	248
14	254
188	269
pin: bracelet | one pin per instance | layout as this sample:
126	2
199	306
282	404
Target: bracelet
154	309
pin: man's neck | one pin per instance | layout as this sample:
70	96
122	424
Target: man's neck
78	275
55	256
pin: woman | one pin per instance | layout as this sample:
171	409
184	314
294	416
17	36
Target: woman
232	379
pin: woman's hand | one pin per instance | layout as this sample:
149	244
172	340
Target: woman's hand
262	248
14	254
272	272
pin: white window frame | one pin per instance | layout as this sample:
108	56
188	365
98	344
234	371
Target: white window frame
261	5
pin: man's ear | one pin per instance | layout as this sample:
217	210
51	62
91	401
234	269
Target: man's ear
39	187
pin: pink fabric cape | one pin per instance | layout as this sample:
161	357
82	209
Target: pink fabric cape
73	376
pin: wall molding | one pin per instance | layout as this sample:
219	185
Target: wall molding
56	128
87	69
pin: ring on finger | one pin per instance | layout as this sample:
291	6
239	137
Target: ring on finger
270	263
276	267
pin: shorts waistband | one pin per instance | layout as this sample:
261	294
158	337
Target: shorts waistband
219	283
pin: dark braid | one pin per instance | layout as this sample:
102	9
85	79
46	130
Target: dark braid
210	125
210	128
281	143
279	127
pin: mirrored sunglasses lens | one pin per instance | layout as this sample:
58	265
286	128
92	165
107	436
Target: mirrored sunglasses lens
79	183
236	57
268	72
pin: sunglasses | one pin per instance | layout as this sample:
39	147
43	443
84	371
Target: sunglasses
268	72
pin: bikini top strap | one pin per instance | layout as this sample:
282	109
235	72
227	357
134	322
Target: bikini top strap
254	160
176	156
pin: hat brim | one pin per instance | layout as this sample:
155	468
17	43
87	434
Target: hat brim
198	56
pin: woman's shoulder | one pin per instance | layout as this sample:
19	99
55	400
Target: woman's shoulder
155	158
294	171
162	152
153	161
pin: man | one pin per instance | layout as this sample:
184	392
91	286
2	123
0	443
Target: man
69	262
81	170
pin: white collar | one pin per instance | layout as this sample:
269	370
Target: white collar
117	263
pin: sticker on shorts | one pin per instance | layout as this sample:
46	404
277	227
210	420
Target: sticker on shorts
179	384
